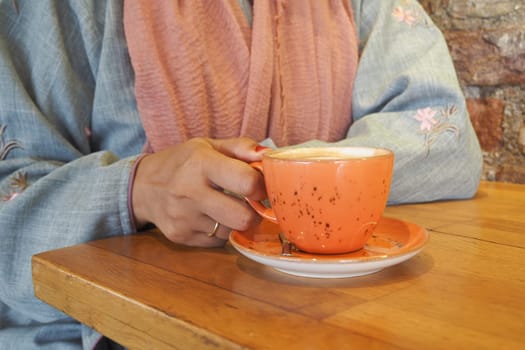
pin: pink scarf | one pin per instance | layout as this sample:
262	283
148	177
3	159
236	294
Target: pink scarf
202	71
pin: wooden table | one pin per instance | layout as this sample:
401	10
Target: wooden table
465	290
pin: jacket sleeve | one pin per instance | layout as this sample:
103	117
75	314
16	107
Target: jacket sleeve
69	134
407	98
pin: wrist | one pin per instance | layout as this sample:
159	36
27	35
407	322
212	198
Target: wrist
134	202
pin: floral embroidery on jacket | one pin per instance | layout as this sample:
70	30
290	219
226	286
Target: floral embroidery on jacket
432	123
409	14
18	185
6	147
426	117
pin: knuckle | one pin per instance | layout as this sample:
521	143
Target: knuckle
248	219
171	232
198	146
250	183
195	161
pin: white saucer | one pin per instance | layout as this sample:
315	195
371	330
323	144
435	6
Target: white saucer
392	242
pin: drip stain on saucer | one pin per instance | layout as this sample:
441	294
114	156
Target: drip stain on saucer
287	246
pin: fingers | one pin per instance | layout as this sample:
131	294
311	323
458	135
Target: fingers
182	190
188	218
227	167
201	239
207	233
243	148
235	176
206	167
208	225
229	211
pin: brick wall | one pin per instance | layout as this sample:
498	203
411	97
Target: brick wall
487	42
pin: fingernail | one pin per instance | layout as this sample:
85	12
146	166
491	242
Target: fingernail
260	148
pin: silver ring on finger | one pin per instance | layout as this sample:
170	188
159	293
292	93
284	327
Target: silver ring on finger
215	228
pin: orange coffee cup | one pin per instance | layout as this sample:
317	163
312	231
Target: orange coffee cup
326	200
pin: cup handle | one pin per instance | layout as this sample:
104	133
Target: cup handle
261	209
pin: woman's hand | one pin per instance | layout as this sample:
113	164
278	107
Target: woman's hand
180	190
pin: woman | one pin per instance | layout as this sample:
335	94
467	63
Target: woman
117	115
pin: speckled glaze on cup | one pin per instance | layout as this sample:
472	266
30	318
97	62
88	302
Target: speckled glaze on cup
327	200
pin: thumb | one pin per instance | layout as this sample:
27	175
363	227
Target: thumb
243	148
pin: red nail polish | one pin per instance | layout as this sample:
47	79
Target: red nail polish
260	148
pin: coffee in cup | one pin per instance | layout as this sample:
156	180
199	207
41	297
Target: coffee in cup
326	200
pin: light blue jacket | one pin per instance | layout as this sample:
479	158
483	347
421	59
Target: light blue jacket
70	132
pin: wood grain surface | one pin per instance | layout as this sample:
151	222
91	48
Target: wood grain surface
465	290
